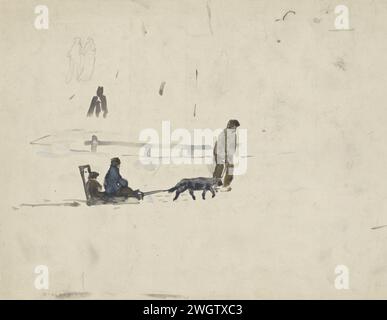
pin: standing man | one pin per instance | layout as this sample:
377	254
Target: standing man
224	150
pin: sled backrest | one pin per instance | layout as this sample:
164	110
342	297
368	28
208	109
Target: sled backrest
83	170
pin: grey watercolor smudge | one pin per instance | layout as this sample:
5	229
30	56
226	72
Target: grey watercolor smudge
64	204
161	90
340	64
164	296
144	30
379	227
209	14
66	295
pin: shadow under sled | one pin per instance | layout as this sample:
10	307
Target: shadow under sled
112	200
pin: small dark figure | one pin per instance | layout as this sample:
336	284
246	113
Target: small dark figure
116	186
204	184
98	103
93	188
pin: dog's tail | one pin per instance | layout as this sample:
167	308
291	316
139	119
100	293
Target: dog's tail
172	189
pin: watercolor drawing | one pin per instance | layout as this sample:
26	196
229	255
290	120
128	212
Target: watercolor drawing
201	149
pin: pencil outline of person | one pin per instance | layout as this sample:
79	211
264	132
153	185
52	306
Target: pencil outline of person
74	56
88	57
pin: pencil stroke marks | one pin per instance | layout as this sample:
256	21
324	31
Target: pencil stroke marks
141	3
161	90
285	15
67	295
70	98
63	204
163	296
81	60
41	138
74	56
144	30
340	64
379	227
290	11
209	14
87	60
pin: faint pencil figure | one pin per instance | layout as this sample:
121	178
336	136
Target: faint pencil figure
74	56
87	60
224	150
98	104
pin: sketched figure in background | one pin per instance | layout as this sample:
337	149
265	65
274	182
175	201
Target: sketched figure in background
98	103
87	60
74	56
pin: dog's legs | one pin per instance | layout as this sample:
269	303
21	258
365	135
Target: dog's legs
176	195
204	194
212	191
178	191
191	192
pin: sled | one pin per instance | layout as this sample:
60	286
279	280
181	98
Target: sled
86	169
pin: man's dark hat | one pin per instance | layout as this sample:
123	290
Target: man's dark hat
233	123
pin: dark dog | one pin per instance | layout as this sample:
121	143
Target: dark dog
194	184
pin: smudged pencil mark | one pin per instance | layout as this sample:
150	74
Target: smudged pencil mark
290	11
77	200
194	114
94	257
164	296
341	30
41	138
117	73
340	63
64	204
83	281
379	227
15	208
72	96
144	30
161	90
66	295
209	17
316	20
141	3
